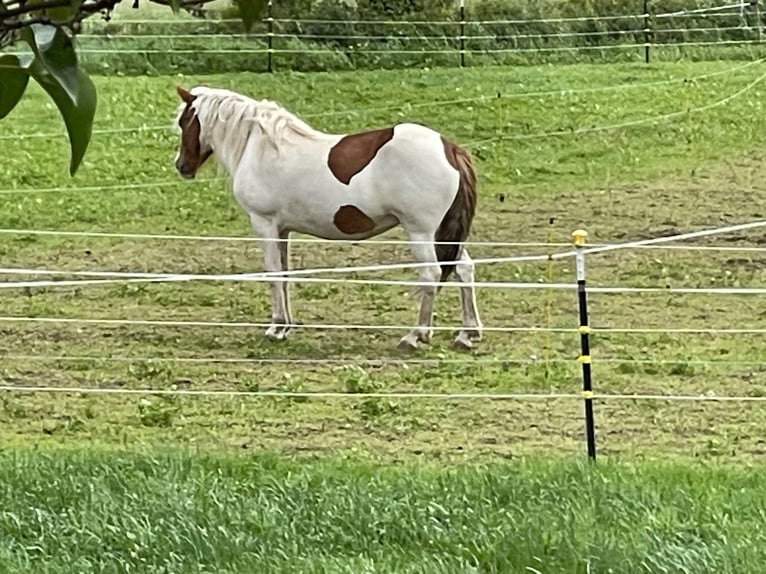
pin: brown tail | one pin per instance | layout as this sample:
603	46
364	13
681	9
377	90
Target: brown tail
456	224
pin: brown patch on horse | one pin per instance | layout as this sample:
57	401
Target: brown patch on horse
456	224
352	220
191	157
354	152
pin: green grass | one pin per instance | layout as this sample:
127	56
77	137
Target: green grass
698	170
526	158
119	512
359	484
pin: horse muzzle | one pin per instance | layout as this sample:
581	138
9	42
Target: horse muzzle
185	171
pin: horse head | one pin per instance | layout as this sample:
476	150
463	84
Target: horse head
193	149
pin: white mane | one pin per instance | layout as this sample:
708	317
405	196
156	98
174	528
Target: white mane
227	120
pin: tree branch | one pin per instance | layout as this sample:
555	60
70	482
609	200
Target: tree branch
18	14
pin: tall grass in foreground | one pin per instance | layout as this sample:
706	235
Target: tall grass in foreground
96	512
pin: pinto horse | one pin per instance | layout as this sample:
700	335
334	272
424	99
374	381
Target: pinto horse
289	177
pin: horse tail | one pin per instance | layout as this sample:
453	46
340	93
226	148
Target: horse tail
456	224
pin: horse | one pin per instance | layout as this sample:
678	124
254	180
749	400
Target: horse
289	177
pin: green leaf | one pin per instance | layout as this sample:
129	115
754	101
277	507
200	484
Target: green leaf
13	82
78	116
250	11
175	5
55	68
54	51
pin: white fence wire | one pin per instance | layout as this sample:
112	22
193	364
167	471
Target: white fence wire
358	243
734	9
593	250
308	275
425	51
494	97
371	362
399	37
164	323
381	395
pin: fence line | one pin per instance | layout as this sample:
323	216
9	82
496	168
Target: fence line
382	282
380	395
587	395
493	97
426	51
95	132
677	237
710	43
180	278
365	242
712	11
398	37
230	21
299	275
265	361
684	30
456	31
121	36
129	278
344	361
253	325
272	361
269	275
705	10
629	123
113	187
255	239
362	327
561	20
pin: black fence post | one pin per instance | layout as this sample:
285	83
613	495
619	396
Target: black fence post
578	238
462	33
270	38
647	31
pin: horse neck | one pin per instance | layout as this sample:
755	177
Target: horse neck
229	153
230	147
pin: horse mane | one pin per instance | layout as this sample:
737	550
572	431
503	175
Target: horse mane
228	118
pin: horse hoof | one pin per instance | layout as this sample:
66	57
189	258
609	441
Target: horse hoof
466	338
474	334
462	343
277	333
407	344
413	338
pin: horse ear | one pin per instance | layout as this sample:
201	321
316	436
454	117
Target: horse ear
185	95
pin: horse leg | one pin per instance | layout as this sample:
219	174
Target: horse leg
284	255
272	259
471	330
423	251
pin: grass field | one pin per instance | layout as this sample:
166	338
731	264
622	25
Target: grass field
190	513
700	166
700	170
